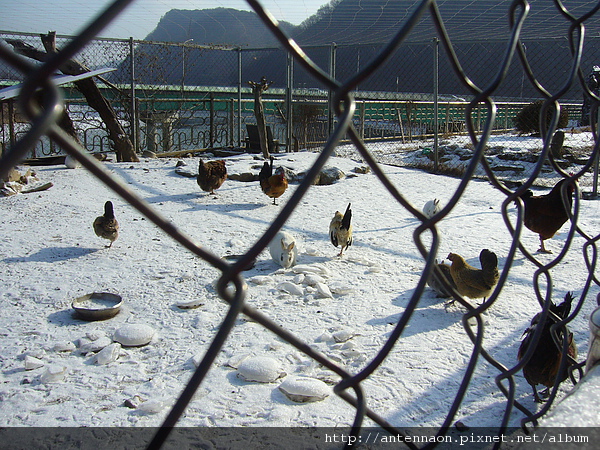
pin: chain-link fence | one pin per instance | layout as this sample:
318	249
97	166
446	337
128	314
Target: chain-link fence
377	109
174	97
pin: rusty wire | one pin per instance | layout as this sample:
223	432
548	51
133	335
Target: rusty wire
349	388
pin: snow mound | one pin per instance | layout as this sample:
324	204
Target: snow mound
262	369
304	389
134	335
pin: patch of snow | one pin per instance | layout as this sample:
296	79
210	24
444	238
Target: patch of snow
304	389
134	335
262	369
49	256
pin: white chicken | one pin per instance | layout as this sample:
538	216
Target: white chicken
431	208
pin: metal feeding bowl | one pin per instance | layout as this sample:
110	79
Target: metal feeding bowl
97	306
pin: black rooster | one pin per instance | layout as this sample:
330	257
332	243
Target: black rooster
544	364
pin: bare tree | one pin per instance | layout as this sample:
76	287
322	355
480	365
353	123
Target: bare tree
122	144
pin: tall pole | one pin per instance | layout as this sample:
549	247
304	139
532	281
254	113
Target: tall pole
436	44
596	117
134	122
239	99
332	62
288	101
183	66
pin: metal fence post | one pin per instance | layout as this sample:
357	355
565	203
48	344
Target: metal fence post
288	101
136	107
332	63
11	123
436	45
134	123
239	98
211	131
361	113
183	68
596	161
231	120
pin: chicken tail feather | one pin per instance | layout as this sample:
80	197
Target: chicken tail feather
347	219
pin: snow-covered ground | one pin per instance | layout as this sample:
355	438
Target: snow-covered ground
512	157
49	255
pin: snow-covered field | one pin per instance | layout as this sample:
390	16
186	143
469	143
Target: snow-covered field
512	157
49	255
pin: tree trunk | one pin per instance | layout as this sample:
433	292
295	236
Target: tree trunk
122	144
259	113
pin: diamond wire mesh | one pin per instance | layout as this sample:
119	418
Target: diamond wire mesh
44	119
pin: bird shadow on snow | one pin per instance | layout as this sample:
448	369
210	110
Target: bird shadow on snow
305	258
174	198
434	402
225	208
427	316
194	198
53	254
198	200
124	174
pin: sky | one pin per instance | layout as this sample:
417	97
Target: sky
137	21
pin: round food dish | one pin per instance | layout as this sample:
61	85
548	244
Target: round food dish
97	306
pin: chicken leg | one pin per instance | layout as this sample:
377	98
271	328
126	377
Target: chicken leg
542	248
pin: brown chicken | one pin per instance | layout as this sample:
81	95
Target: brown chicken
471	282
272	184
545	214
106	226
340	229
211	175
544	364
435	282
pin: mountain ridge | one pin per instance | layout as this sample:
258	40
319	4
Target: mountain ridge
351	22
479	33
215	26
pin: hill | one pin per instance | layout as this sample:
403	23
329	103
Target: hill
478	30
376	21
369	21
219	26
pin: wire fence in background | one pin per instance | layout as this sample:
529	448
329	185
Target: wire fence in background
476	116
200	99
